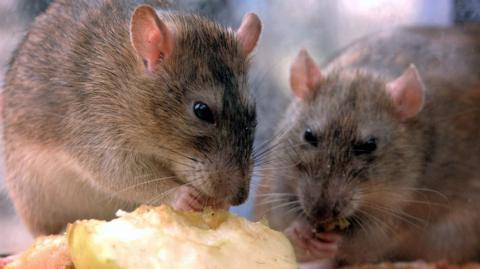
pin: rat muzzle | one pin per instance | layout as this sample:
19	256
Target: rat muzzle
240	196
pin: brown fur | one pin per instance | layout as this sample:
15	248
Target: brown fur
88	131
418	197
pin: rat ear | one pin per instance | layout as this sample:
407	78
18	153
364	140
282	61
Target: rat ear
407	93
304	75
249	32
150	37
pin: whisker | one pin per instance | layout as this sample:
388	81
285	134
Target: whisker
116	148
277	194
164	194
378	223
399	215
282	205
144	183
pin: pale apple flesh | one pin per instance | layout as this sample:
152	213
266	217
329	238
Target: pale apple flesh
161	237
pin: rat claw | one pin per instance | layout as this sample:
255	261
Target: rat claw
306	244
322	246
328	237
317	250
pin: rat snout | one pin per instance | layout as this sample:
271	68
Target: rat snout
230	185
237	182
233	195
239	187
329	216
240	196
320	204
326	201
324	210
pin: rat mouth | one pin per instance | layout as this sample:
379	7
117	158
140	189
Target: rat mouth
344	226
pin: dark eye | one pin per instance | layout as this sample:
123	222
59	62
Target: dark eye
366	147
310	137
203	112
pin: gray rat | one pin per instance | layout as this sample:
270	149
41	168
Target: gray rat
377	158
112	104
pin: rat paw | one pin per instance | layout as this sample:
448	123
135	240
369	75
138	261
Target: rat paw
189	199
6	260
444	264
309	246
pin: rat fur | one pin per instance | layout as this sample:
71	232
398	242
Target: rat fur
98	112
415	194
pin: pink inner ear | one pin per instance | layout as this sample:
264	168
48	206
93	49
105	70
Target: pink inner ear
150	37
152	52
407	93
314	75
249	32
305	75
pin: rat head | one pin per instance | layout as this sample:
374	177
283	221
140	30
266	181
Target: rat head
353	144
197	117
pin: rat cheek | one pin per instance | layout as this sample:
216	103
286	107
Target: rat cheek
356	200
301	188
186	170
351	207
305	199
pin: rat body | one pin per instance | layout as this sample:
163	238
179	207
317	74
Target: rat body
392	148
113	104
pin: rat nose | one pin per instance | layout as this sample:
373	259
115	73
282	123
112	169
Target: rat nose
325	210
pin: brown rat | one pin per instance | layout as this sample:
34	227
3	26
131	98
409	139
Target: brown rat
111	104
386	137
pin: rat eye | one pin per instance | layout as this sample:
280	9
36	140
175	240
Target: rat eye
310	137
366	147
203	112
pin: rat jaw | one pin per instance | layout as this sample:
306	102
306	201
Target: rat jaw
215	179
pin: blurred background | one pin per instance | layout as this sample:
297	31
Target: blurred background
321	26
